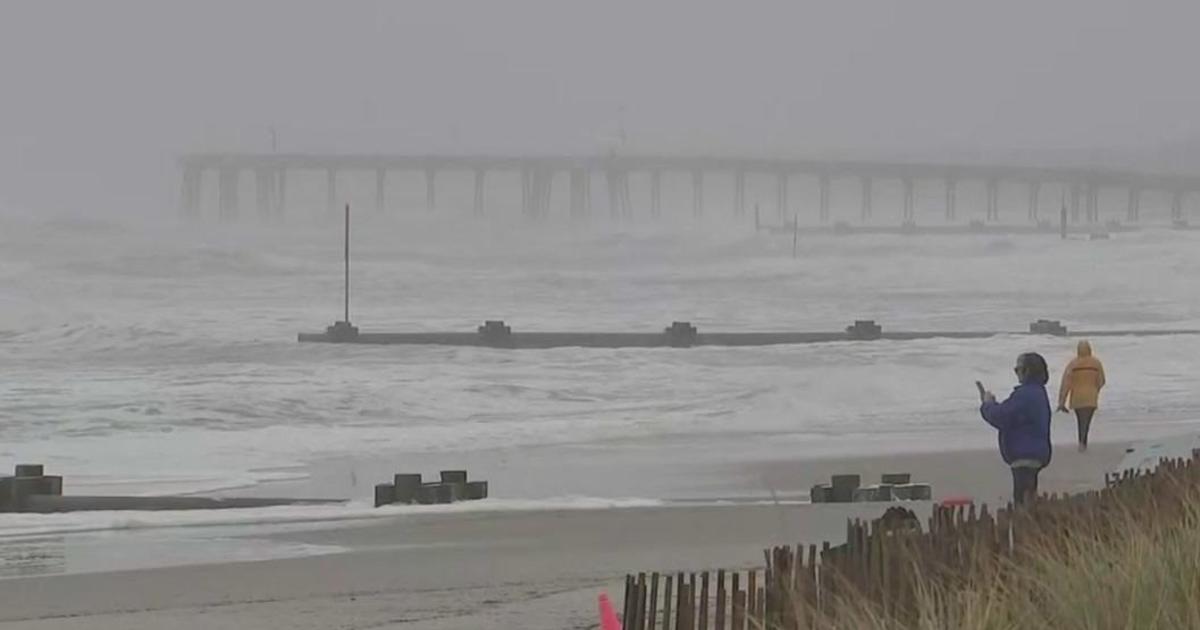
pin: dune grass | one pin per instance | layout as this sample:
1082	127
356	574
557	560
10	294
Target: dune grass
1133	566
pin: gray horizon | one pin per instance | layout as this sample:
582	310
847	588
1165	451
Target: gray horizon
100	98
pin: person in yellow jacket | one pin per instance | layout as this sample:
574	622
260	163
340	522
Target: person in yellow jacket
1082	381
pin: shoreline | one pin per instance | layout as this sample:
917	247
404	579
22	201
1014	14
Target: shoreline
486	569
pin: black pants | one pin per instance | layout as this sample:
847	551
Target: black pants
1025	484
1084	416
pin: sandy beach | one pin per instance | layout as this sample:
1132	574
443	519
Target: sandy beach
529	569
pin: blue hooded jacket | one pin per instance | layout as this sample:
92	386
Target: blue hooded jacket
1024	423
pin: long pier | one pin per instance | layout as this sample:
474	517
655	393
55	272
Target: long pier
1081	187
496	334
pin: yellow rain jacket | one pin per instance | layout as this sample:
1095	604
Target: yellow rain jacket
1082	380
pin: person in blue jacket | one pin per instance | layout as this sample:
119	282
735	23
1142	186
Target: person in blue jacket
1023	422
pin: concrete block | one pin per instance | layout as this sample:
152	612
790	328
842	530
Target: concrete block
843	487
457	480
496	333
914	492
680	334
1048	327
21	489
341	331
6	494
454	476
51	485
873	493
864	329
30	470
385	494
896	479
821	493
406	487
475	490
435	493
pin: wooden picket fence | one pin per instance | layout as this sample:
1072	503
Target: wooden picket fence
887	563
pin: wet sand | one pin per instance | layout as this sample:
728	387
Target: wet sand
491	570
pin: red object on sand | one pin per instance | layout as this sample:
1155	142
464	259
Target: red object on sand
608	616
957	501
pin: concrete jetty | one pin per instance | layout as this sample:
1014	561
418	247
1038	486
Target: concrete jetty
497	334
30	490
410	488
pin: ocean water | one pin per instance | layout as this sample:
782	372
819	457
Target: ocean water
163	358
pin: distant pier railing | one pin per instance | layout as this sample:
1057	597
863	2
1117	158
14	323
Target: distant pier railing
1080	187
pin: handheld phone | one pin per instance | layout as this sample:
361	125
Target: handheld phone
982	391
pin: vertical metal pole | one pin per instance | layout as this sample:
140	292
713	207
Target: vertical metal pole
1074	202
908	200
281	191
346	305
824	194
430	189
781	194
867	185
656	193
331	188
380	183
1063	218
993	201
795	232
951	199
1034	189
739	193
479	175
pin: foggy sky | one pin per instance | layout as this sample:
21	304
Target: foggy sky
98	98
